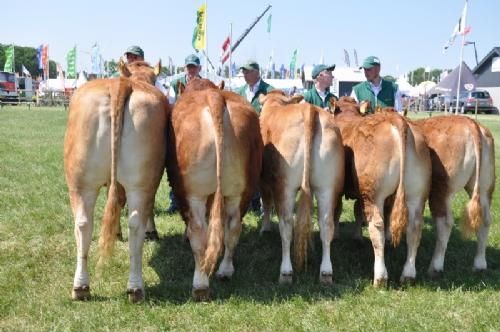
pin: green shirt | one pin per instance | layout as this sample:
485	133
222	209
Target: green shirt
385	97
312	97
264	88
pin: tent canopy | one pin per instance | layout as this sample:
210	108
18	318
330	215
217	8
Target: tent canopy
448	86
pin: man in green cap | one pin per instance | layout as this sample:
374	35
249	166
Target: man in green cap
192	69
320	94
254	86
134	53
379	92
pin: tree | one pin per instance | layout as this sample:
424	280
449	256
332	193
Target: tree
419	75
26	56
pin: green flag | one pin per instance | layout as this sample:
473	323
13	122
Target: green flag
292	64
71	61
9	59
269	18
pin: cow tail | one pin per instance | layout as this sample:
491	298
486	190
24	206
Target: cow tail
472	213
111	218
303	223
215	237
399	213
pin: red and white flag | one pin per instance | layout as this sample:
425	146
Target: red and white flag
460	29
226	50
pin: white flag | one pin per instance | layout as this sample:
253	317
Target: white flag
25	71
459	29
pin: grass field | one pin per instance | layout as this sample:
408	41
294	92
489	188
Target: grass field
38	257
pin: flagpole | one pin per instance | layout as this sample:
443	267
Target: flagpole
230	71
461	58
206	40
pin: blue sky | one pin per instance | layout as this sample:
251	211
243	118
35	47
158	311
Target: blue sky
404	34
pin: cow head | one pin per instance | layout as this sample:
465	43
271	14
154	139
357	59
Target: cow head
139	70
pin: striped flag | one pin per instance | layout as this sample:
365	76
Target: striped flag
226	50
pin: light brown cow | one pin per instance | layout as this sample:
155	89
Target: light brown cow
387	165
115	135
215	154
302	151
463	156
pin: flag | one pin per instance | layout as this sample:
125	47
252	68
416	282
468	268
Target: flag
356	58
60	72
269	19
234	70
226	50
45	61
199	40
292	63
39	52
9	59
71	63
346	58
459	29
282	71
25	71
95	60
273	69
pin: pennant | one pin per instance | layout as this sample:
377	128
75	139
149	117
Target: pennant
71	63
199	40
9	59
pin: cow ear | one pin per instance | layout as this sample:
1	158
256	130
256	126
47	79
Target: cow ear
158	68
262	99
333	105
296	99
364	106
221	85
180	88
123	69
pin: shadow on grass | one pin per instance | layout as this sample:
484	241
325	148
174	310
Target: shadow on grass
257	262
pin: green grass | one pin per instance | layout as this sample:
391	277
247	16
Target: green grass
37	261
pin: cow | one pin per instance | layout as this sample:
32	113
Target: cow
115	135
303	152
388	172
463	156
213	164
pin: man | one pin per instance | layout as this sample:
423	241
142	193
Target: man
192	69
320	94
135	53
379	92
254	86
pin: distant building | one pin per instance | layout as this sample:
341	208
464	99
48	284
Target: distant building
487	74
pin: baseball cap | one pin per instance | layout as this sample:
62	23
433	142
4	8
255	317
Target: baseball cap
319	68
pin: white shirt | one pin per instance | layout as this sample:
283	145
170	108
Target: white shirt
376	90
252	90
321	94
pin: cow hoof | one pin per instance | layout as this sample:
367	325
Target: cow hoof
407	281
152	236
380	283
479	269
434	273
326	278
81	293
201	294
286	279
135	295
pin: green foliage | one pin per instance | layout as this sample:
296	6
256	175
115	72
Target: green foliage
389	78
417	76
26	56
38	255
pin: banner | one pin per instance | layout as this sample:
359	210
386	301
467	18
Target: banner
71	63
459	29
9	59
269	19
226	50
39	51
292	64
45	61
199	40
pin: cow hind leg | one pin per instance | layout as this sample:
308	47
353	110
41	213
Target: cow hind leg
267	206
482	237
441	210
82	204
327	231
285	213
359	217
231	236
376	231
197	234
140	207
413	236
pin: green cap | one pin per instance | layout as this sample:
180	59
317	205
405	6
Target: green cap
192	59
371	62
136	50
250	65
319	68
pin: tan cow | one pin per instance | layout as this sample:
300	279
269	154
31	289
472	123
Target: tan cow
215	153
115	135
463	156
303	152
387	165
